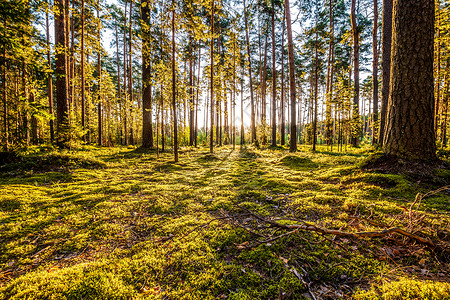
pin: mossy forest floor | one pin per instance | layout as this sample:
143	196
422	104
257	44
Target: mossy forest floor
122	223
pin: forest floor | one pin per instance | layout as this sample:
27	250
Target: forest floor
121	223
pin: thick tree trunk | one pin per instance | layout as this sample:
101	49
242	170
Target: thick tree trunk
5	101
147	130
409	128
292	89
252	103
375	73
385	65
355	33
62	114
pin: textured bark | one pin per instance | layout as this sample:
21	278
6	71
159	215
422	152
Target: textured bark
174	105
328	118
83	82
283	124
409	127
5	102
316	91
252	103
147	130
130	71
49	79
274	82
375	72
99	80
211	142
62	114
263	94
242	114
385	64
191	96
196	100
355	33
292	89
125	98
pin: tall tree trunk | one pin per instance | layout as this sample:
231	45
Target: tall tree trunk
119	91
410	119
125	98
385	64
252	104
49	79
99	78
375	73
130	73
5	101
355	33
198	89
191	95
274	82
62	114
211	142
438	67
83	82
316	90
263	94
328	117
67	41
147	130
292	89
242	113
174	105
283	124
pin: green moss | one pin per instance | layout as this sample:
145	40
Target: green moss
407	289
140	226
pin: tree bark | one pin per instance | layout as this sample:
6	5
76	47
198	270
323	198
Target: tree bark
49	79
274	82
385	64
174	105
130	73
410	118
62	114
5	101
252	103
328	117
292	89
355	33
99	80
211	142
147	130
283	124
375	73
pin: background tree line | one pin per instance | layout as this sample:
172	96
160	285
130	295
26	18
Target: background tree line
184	73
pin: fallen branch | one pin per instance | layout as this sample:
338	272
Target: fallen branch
362	234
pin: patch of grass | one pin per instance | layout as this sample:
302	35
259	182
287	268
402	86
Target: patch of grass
124	223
